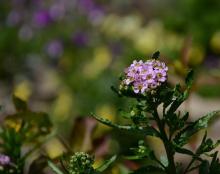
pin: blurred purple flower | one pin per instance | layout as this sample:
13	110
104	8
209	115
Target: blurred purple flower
94	12
80	39
57	11
96	15
41	18
54	49
4	160
13	18
86	5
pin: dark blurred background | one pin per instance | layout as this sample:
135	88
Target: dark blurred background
63	55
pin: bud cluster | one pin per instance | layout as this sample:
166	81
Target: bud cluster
81	163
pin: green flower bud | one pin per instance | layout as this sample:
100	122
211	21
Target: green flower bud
81	163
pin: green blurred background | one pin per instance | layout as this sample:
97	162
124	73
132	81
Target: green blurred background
63	55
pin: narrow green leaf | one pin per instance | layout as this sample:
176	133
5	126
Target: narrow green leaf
183	136
106	164
54	168
144	130
183	151
133	157
185	117
206	145
111	124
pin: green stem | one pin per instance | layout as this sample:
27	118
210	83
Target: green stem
189	165
171	168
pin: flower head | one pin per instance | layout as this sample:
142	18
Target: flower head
4	160
41	18
81	163
145	76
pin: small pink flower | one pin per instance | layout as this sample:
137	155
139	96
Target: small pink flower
4	160
145	76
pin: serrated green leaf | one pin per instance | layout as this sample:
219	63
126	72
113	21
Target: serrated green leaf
111	124
183	136
19	104
106	164
54	168
206	145
148	130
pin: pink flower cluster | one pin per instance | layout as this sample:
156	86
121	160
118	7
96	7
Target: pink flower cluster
145	76
4	159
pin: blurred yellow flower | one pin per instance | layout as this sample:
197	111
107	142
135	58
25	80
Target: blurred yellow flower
14	124
109	25
101	60
128	26
172	41
23	90
215	42
61	111
54	148
196	55
149	38
117	26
